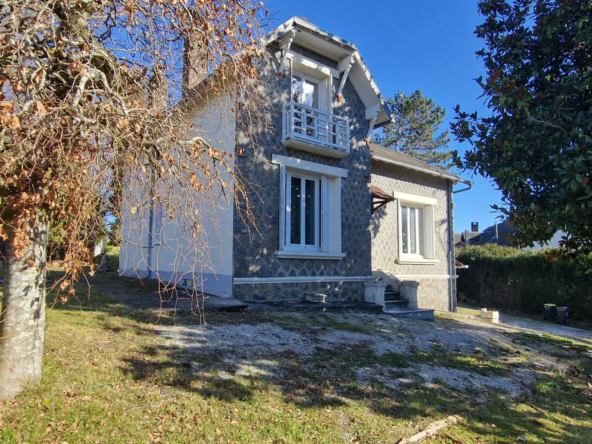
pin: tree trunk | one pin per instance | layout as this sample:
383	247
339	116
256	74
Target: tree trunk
22	322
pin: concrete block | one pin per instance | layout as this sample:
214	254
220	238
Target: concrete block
408	291
317	298
490	316
374	292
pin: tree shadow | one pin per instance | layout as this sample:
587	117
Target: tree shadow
332	375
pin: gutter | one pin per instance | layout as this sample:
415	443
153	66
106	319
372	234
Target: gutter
470	185
444	175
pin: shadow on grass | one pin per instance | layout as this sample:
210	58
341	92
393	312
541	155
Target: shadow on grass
329	376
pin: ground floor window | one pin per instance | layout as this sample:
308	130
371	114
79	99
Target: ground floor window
412	237
416	227
310	209
303	212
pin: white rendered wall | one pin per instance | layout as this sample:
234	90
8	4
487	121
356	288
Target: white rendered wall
170	258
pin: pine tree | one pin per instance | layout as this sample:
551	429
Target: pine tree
417	119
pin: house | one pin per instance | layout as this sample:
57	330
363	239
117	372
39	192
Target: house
463	239
334	213
500	234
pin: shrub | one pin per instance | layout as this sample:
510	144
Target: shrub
506	278
112	258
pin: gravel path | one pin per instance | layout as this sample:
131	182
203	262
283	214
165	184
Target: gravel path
262	349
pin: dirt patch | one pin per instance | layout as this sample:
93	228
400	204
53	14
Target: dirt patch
456	355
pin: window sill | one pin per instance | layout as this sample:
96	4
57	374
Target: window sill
294	254
416	261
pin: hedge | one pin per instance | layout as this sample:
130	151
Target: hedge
509	279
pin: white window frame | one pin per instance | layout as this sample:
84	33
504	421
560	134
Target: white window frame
425	236
323	80
316	246
311	80
328	245
420	237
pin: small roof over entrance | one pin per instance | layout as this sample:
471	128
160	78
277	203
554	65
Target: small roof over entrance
379	198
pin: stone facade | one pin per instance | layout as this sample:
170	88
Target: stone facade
436	290
255	244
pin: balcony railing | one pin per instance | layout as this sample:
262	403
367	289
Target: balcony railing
309	129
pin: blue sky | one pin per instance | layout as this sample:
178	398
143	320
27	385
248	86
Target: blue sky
421	44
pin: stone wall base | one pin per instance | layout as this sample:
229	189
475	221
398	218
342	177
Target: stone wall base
433	293
295	292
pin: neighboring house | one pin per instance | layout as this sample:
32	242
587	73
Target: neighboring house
465	238
500	234
331	209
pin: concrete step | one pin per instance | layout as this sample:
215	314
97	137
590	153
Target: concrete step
411	313
396	303
392	295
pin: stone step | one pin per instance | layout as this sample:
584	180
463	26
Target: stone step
411	313
396	303
392	295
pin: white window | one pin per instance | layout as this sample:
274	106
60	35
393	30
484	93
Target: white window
412	238
303	215
416	228
310	209
305	90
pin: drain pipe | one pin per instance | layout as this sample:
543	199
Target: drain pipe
150	225
451	268
451	262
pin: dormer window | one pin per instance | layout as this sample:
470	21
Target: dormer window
308	123
305	90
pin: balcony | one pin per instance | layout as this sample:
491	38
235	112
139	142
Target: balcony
309	129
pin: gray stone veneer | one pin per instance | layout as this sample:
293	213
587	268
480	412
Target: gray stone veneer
432	292
255	244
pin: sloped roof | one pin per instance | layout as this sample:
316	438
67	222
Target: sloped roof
386	155
488	236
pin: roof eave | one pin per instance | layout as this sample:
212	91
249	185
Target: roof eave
452	177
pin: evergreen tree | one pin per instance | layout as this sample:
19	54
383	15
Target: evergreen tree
417	119
535	140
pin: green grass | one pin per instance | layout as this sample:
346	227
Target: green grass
108	378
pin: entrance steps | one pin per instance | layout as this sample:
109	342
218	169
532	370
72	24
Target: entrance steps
397	306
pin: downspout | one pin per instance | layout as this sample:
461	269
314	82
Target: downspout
150	224
451	258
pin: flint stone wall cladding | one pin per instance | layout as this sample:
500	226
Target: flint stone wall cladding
255	246
432	293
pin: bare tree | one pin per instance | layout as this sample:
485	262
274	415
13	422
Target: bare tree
91	109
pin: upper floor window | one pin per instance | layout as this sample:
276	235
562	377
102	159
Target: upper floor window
308	123
305	90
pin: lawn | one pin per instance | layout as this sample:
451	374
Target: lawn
112	375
